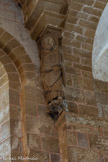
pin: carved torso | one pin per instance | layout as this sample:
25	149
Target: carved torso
52	73
50	59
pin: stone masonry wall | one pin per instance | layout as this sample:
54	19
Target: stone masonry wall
42	137
83	139
79	31
86	96
80	28
11	19
5	148
81	91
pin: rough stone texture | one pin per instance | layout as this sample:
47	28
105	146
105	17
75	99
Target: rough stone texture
90	142
11	18
82	137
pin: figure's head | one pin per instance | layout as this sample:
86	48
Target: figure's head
48	43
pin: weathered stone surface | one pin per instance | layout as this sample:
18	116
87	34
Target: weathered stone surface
50	144
84	94
80	136
5	130
71	138
14	142
52	71
82	155
55	157
31	94
89	110
40	156
5	147
34	141
16	127
31	108
82	140
31	127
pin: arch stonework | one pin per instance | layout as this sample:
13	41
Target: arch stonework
29	94
37	127
82	90
18	66
10	115
83	130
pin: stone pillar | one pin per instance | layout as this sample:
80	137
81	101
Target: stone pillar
82	138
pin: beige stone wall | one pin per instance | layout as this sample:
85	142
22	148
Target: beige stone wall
34	133
10	116
5	148
38	136
11	19
83	138
78	36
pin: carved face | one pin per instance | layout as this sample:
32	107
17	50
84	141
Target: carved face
48	43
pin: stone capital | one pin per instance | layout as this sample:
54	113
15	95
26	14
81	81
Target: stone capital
46	13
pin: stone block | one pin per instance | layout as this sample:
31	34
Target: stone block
42	112
16	127
101	97
5	147
71	138
72	107
93	141
34	95
82	155
46	127
105	109
101	85
4	39
14	143
100	5
88	84
55	158
82	140
5	130
75	95
32	125
11	45
39	156
88	110
50	144
14	97
90	98
31	108
34	141
75	6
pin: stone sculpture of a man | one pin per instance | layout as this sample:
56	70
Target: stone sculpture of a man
52	73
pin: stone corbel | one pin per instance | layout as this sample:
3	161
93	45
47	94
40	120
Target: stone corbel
47	31
42	13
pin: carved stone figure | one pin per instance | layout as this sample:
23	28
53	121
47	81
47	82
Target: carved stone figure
52	72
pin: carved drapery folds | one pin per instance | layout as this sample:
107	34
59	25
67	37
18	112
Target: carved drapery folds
48	21
50	46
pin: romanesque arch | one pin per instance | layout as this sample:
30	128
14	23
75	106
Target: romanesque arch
28	93
21	78
100	66
10	117
78	36
82	135
37	127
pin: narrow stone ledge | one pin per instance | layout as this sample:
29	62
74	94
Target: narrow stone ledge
68	117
